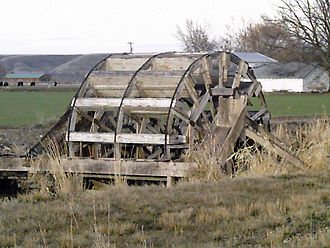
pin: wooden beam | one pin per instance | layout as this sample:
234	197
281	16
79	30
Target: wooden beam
270	142
181	115
206	72
241	70
128	138
260	113
93	104
91	137
273	146
197	112
128	167
224	65
72	127
230	125
88	167
96	121
152	139
222	91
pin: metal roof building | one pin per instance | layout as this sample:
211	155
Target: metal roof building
255	59
21	78
23	75
293	77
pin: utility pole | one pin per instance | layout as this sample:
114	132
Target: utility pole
130	46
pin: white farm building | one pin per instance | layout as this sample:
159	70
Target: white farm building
292	77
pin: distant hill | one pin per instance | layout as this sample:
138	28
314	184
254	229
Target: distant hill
75	69
62	68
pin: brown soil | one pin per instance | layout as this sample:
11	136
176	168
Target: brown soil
18	141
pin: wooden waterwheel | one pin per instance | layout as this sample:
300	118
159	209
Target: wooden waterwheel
156	107
138	115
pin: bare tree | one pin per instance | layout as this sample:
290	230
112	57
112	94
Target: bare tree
309	21
195	38
267	37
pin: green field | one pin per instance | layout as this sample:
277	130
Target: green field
298	104
30	108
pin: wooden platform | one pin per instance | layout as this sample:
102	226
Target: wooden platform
14	168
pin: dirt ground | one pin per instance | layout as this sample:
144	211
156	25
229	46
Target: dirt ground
19	140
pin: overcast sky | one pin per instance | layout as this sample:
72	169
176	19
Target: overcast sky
82	26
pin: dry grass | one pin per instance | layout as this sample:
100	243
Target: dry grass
310	143
206	156
54	182
289	210
283	211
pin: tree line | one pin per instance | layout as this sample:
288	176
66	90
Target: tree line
299	32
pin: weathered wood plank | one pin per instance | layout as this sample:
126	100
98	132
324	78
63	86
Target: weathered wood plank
128	138
14	166
271	145
149	90
94	121
241	70
125	63
172	63
271	142
127	167
222	91
229	130
93	104
259	114
229	109
152	139
197	112
91	137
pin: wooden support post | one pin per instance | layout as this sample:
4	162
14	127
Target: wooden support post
270	142
72	124
168	181
241	70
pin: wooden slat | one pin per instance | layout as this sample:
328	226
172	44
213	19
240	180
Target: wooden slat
128	138
223	64
222	91
229	126
125	63
91	137
93	104
93	121
197	112
229	109
241	70
152	139
271	142
273	146
149	91
127	167
146	168
259	114
220	80
206	72
172	63
101	77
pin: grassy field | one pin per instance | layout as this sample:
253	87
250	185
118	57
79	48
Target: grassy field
30	108
298	104
267	204
282	211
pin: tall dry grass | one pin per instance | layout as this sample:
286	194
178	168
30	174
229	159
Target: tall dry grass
54	180
206	156
309	142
